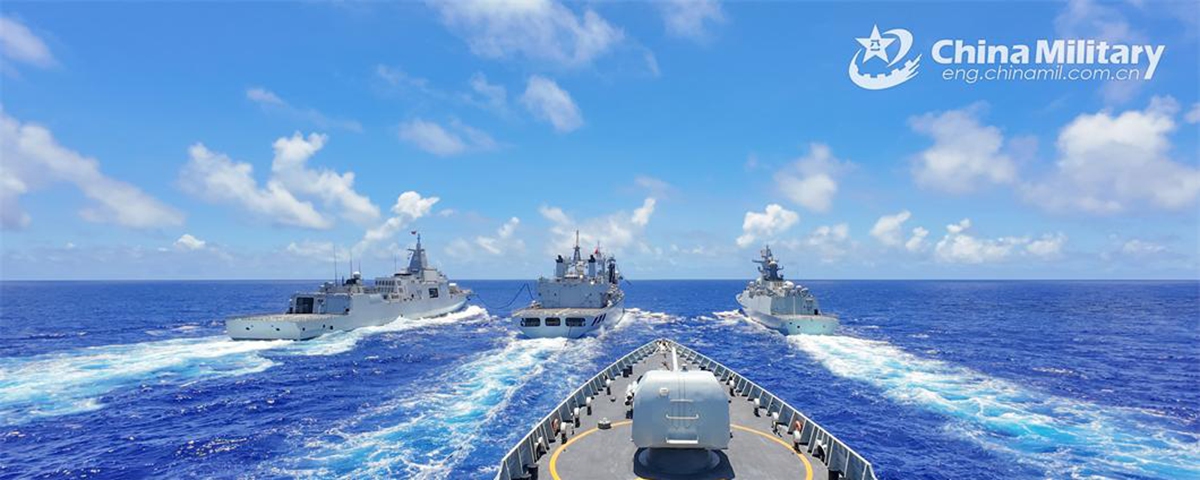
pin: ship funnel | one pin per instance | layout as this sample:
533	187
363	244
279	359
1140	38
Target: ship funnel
591	266
560	267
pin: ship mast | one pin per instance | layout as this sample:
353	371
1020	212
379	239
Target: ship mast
768	267
577	256
416	264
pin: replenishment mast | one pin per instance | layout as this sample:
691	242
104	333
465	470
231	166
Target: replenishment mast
583	296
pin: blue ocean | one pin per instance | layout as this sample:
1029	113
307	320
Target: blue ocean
927	379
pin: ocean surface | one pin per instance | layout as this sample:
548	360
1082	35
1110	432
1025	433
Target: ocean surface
927	379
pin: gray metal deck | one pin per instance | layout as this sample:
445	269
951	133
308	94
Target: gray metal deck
779	442
756	451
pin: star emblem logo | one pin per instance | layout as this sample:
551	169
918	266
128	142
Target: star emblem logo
899	67
875	45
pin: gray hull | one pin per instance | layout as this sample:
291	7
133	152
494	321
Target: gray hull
594	319
794	324
366	313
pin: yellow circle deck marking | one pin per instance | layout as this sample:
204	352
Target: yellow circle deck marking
808	471
554	458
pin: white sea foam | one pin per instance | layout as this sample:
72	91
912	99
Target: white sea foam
341	342
731	317
425	434
73	381
1070	438
437	424
637	316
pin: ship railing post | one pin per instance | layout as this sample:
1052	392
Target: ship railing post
520	462
532	453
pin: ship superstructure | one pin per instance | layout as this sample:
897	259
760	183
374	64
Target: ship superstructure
781	304
417	291
583	296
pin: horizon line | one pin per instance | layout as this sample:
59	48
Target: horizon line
1146	279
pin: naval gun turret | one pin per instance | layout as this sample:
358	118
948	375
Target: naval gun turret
680	421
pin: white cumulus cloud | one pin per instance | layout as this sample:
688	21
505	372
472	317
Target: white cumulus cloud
309	249
1109	163
409	206
272	102
641	215
541	30
546	101
491	96
772	221
830	242
916	242
290	168
217	178
888	229
959	245
811	181
30	158
1141	248
504	241
614	232
442	141
1193	115
691	19
187	242
965	154
20	44
1048	246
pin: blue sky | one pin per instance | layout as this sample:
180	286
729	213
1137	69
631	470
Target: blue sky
253	141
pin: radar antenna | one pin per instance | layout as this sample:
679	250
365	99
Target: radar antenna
767	266
416	263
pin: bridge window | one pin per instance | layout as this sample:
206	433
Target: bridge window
574	322
553	322
531	322
304	305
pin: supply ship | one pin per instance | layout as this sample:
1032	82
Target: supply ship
418	291
582	297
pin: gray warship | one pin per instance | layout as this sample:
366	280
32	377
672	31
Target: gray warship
418	291
665	411
782	305
583	296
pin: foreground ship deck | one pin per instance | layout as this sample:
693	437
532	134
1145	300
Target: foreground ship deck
771	440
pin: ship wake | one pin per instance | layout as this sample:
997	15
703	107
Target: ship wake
432	427
1070	438
75	381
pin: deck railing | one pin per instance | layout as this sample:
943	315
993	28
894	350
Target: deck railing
835	455
841	460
